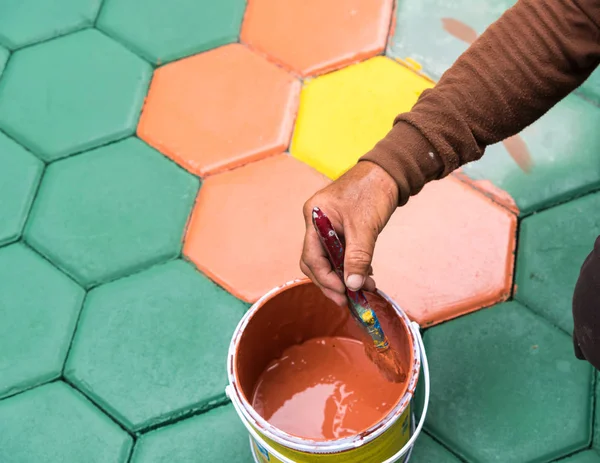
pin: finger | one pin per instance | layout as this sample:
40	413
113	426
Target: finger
336	297
360	244
315	259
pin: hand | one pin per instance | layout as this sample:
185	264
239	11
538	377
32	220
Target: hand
359	204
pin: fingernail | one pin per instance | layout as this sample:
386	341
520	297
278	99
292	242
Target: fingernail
355	282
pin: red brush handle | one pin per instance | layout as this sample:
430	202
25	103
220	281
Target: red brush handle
335	249
330	241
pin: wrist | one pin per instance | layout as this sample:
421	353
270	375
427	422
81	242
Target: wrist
381	181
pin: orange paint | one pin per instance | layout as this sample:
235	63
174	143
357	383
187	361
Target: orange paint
459	30
313	36
301	362
220	109
518	150
325	388
247	228
448	252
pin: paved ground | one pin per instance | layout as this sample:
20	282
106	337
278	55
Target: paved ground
154	157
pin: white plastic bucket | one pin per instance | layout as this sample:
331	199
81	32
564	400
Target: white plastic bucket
389	440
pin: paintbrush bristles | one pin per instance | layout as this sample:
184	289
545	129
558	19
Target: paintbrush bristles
388	362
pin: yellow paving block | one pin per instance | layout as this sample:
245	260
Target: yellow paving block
343	114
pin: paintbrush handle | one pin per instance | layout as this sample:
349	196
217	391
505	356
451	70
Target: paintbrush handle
358	301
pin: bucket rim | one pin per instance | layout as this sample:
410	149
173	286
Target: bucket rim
310	445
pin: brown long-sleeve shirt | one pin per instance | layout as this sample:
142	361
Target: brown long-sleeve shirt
520	67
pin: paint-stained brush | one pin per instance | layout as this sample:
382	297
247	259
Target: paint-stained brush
379	352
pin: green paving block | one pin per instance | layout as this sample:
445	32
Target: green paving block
437	49
162	31
506	388
552	247
591	87
20	172
217	436
111	212
427	450
3	58
24	22
72	93
39	307
588	456
153	346
56	424
564	145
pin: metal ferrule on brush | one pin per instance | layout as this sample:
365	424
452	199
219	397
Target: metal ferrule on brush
370	322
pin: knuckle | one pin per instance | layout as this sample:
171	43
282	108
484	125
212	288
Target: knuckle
308	207
359	257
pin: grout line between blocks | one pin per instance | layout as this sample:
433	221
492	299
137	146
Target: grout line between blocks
29	388
99	12
220	401
71	342
99	407
441	444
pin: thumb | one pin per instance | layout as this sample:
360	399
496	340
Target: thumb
360	245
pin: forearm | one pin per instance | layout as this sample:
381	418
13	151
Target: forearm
520	67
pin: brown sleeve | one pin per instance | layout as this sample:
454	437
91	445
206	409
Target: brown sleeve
521	66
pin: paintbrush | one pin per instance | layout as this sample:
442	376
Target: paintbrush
379	351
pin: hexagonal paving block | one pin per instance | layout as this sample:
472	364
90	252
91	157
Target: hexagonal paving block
3	58
247	228
589	456
147	348
344	114
507	388
56	424
448	252
427	450
24	22
111	212
161	32
552	247
242	110
312	36
216	436
39	307
563	145
72	93
451	27
20	173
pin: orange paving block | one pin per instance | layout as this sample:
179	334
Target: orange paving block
448	252
315	36
247	228
490	190
219	110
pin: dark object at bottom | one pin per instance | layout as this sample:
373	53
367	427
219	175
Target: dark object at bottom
586	309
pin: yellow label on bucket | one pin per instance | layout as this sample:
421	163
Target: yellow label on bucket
376	451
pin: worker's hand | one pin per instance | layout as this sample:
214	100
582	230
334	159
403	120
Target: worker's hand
359	204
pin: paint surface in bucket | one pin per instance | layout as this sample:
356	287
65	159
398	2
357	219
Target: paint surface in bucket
325	388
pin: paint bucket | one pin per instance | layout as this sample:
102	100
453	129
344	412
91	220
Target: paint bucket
260	337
